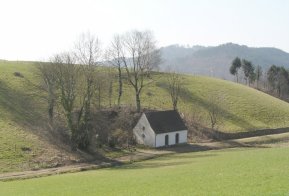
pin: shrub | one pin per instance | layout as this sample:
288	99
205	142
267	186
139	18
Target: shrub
18	74
120	137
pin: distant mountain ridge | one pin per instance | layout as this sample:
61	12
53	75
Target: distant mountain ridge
215	61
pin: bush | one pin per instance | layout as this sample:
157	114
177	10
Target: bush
120	137
18	74
81	138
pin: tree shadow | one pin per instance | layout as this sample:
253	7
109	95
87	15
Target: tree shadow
164	161
185	148
20	106
150	165
260	132
187	95
25	107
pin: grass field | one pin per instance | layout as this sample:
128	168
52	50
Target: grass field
263	171
23	107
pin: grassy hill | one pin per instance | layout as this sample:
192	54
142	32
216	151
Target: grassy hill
255	171
24	143
243	108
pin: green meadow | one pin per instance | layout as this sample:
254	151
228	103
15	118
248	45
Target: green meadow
253	171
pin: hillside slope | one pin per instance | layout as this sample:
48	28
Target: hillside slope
243	108
25	143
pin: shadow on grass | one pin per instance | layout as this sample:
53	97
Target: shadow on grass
187	95
184	156
26	107
151	165
165	161
268	140
247	134
20	106
187	148
199	148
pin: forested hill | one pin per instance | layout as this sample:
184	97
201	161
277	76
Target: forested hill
215	61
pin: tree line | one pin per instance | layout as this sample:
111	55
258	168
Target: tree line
278	79
274	81
246	69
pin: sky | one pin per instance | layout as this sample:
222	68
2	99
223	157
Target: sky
38	29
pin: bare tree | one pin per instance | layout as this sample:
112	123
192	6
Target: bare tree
215	109
67	78
101	86
174	86
87	53
48	76
258	74
114	56
140	57
110	77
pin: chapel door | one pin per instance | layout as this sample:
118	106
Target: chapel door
177	138
167	140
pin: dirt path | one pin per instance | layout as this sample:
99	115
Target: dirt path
46	172
140	154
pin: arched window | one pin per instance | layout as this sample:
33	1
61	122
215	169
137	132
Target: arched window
177	138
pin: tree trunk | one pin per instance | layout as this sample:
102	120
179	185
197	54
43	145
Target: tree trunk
119	86
99	97
110	93
72	131
51	103
87	103
175	103
73	140
51	111
99	101
137	98
279	91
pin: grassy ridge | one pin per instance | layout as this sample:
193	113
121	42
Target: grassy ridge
224	172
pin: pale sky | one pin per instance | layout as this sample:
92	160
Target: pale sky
37	29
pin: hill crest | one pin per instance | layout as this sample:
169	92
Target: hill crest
216	60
